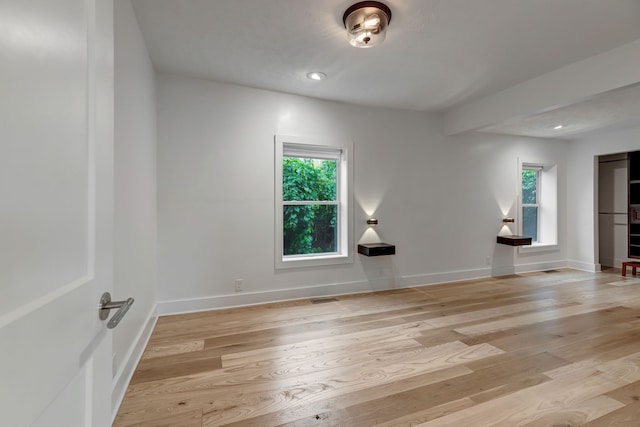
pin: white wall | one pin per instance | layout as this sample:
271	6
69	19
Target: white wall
439	199
135	193
582	185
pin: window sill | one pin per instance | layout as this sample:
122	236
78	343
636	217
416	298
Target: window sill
539	247
313	261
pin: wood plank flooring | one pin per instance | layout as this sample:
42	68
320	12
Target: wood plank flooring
559	348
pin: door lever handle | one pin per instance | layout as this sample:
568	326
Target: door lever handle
106	305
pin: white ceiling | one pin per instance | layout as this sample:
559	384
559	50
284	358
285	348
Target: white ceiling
438	53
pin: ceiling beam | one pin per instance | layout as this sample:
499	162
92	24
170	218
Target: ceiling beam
614	69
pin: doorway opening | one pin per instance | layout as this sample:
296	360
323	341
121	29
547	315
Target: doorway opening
612	205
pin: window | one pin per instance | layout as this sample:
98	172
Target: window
530	205
538	205
312	203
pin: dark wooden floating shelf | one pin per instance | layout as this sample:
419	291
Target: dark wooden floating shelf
514	240
376	249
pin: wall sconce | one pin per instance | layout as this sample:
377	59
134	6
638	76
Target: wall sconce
366	23
505	220
372	221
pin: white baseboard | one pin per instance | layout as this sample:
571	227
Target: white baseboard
545	265
584	266
123	376
540	266
610	262
446	277
480	273
242	299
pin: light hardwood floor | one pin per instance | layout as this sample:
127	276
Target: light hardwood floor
558	348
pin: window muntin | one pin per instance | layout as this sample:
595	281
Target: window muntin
313	192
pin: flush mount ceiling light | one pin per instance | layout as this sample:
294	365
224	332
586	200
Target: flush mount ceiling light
558	127
366	23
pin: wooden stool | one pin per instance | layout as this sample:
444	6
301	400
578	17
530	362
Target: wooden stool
632	264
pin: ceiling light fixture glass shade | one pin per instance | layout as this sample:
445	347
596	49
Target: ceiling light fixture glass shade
366	23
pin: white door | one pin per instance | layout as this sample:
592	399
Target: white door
56	220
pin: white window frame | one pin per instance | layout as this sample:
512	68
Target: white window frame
295	146
538	169
547	202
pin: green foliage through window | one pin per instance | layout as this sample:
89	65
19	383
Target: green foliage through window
530	197
309	228
529	186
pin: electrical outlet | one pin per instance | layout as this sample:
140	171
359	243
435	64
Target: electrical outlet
238	285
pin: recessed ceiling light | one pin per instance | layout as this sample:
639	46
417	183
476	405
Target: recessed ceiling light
558	127
316	75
